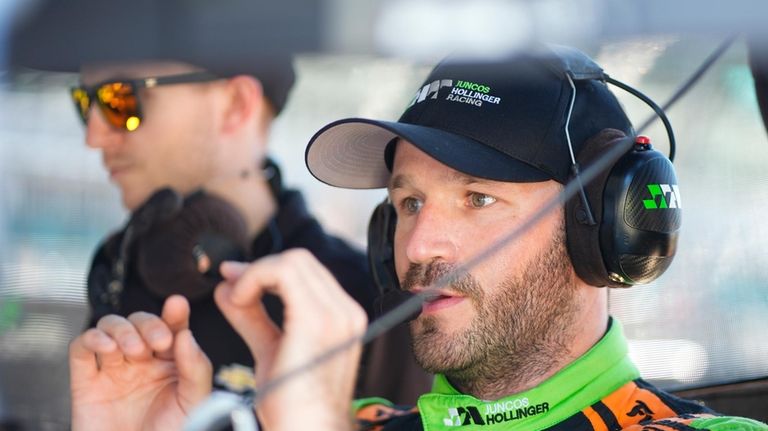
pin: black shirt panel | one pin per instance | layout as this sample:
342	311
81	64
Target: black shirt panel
292	227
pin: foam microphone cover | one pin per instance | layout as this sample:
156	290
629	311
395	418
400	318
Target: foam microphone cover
168	255
160	207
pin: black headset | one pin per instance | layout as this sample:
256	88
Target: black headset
632	235
173	244
622	227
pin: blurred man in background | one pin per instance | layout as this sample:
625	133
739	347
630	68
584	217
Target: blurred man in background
181	115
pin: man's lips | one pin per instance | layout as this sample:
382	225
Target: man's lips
115	162
435	300
117	170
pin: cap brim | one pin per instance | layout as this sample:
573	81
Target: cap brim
349	153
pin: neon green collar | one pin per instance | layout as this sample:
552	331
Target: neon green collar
597	373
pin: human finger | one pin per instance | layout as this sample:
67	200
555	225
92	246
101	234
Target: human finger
83	351
128	340
322	309
251	322
153	330
195	370
327	307
232	270
285	275
175	315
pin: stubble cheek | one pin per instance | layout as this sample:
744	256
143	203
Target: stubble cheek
437	349
424	340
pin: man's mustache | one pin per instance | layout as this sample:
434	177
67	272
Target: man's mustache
441	275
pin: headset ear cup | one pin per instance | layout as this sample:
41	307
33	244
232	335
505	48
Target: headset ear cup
633	241
102	275
583	239
381	259
381	232
642	217
168	256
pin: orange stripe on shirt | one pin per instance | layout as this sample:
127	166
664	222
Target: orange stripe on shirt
594	419
631	404
373	417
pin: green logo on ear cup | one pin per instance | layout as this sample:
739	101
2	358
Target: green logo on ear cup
663	196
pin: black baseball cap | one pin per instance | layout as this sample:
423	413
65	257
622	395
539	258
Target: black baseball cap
502	120
226	37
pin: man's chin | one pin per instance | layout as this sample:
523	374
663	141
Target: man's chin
432	324
132	200
131	203
434	352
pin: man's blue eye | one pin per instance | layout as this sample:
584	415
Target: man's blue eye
412	205
479	200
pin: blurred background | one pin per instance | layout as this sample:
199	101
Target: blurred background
703	323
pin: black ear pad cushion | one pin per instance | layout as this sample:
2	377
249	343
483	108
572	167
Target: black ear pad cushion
165	254
381	259
161	206
583	240
381	232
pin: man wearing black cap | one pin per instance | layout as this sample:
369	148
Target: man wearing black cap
181	114
518	332
207	141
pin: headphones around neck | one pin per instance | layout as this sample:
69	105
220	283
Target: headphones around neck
171	244
622	228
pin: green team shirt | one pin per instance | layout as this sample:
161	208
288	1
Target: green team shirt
600	391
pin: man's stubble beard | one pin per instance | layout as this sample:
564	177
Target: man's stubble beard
518	333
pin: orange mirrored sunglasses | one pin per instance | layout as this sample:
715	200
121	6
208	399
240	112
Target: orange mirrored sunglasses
118	100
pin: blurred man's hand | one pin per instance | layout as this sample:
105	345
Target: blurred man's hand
319	316
141	373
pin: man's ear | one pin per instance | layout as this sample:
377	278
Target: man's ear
244	102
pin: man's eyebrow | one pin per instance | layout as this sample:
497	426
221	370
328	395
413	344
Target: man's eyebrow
459	177
400	180
397	182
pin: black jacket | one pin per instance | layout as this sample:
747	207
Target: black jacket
292	227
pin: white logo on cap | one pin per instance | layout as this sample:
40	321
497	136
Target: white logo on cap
430	89
462	92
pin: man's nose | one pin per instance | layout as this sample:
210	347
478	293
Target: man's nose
432	237
98	132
